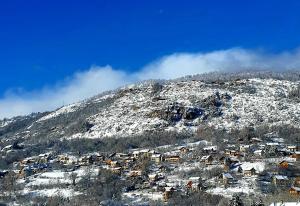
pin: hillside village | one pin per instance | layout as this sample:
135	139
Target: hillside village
262	167
195	141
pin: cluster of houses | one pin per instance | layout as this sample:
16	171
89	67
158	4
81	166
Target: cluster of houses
158	169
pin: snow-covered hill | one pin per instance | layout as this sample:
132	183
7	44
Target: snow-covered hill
136	110
173	105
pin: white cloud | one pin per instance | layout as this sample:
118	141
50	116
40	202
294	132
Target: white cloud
81	86
182	64
98	79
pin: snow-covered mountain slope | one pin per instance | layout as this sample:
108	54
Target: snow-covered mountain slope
173	105
186	105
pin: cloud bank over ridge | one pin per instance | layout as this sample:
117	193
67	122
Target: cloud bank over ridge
98	79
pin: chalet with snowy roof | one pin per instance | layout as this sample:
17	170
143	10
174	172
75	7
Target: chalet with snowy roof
292	148
228	162
172	158
297	181
208	159
184	150
283	164
29	160
258	153
249	171
67	159
44	158
210	149
296	155
157	158
135	154
86	160
100	157
244	148
194	184
227	178
121	155
114	164
116	170
232	153
168	192
295	191
145	152
135	173
280	180
153	177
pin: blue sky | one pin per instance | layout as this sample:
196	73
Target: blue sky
46	46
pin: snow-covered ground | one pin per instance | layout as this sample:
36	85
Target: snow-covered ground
63	110
137	196
53	179
245	185
62	192
133	112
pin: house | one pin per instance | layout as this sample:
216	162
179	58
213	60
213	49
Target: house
172	158
297	181
208	159
100	158
116	170
168	193
194	184
283	164
184	150
249	171
128	162
227	178
244	148
153	177
86	160
280	180
210	149
232	153
292	148
114	164
228	162
258	152
135	173
157	158
144	153
136	154
294	191
44	158
296	155
28	160
67	159
121	155
32	169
